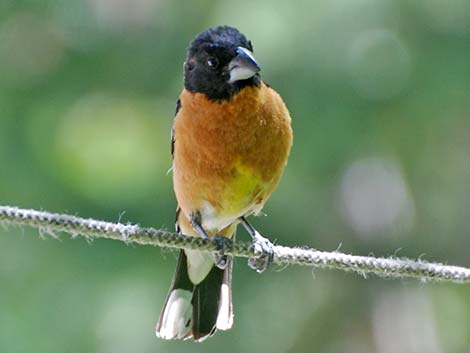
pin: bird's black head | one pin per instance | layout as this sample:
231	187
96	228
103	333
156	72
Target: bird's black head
220	63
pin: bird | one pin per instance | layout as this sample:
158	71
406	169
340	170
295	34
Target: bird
230	141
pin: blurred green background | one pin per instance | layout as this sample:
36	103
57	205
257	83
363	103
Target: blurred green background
379	93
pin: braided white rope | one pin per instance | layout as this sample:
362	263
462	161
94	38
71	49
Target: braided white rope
382	267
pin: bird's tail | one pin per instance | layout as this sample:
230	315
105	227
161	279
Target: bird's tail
197	310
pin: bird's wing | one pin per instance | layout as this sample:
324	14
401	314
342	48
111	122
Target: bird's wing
172	134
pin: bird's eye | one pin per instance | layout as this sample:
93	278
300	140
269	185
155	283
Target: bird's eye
212	62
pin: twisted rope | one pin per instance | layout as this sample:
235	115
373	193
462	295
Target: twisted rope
382	267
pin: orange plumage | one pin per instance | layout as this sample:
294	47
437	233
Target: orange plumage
217	143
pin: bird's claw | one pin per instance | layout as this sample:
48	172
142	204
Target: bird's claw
221	260
264	254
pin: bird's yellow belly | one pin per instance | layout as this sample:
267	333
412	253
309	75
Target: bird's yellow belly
243	194
244	190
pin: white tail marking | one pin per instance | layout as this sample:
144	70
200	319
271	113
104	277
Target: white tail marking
177	316
225	316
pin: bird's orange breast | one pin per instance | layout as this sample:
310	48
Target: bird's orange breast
229	155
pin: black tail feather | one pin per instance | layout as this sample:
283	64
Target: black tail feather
206	300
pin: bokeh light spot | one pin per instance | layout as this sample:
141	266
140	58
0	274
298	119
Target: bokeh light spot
375	198
30	48
379	64
126	313
111	149
406	314
452	16
124	15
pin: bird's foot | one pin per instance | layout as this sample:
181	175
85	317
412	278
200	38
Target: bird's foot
221	260
264	254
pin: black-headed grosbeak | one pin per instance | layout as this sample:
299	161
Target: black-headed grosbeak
231	138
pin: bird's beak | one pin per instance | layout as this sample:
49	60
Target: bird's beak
243	66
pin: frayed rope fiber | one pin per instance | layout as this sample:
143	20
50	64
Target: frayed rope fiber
90	228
